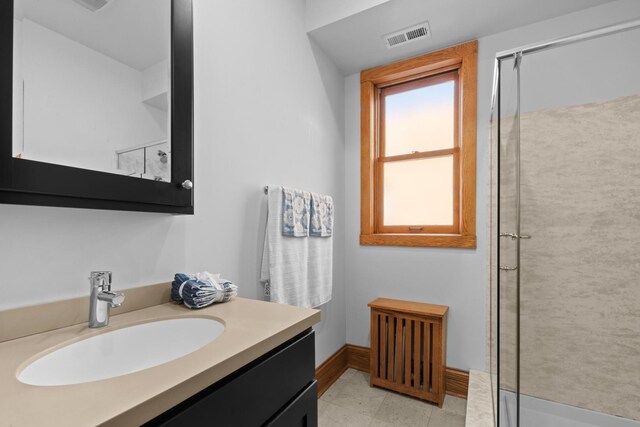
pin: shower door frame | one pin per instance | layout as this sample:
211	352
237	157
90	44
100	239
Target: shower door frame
517	54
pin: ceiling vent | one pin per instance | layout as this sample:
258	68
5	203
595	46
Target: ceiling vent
92	5
415	32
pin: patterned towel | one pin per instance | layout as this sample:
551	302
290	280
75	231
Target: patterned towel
321	215
201	289
295	212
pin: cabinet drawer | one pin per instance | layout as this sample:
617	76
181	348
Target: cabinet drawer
253	394
302	412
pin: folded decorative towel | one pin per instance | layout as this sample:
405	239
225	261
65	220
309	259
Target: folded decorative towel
295	212
321	215
201	289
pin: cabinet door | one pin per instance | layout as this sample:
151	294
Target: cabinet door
254	394
302	412
57	179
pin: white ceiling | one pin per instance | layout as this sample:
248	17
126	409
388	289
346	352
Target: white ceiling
355	43
322	12
134	32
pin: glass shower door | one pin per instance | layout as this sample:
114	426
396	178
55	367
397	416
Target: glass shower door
579	191
507	242
566	232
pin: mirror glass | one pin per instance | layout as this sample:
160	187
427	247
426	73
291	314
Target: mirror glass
92	85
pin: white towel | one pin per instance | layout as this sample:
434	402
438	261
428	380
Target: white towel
296	271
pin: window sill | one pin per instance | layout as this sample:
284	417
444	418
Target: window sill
420	240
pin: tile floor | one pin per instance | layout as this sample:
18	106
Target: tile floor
350	402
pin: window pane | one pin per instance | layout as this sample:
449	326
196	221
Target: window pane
419	192
419	119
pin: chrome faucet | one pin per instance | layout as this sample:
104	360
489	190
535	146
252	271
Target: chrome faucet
102	299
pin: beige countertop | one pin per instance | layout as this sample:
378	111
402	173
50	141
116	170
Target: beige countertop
252	328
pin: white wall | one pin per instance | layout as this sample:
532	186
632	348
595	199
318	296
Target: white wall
268	110
57	69
453	277
155	85
570	91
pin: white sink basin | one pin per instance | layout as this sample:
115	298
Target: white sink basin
122	351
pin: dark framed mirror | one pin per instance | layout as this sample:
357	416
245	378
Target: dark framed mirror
97	111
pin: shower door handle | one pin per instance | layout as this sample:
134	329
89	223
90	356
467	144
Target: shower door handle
508	268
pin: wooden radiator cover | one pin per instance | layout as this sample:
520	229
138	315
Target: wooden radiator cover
408	348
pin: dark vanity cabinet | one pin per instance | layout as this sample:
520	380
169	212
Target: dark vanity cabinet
278	389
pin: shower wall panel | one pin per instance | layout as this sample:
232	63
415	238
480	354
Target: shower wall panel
580	289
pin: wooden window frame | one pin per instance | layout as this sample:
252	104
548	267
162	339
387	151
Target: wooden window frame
462	60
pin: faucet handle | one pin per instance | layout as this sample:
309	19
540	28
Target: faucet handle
114	298
117	300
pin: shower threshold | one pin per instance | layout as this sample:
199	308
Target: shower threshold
536	412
